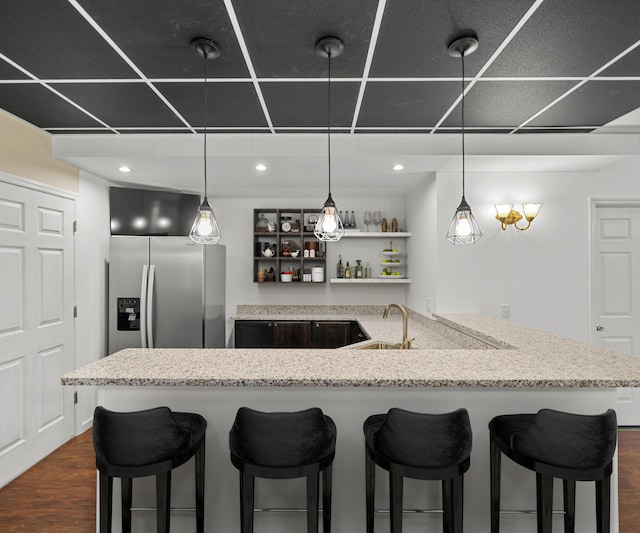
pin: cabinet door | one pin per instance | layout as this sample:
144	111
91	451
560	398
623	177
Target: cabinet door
253	334
292	334
332	334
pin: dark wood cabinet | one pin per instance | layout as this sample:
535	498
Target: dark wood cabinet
297	333
332	334
253	334
292	334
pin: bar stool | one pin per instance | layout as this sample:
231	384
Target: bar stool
560	445
418	446
146	443
284	446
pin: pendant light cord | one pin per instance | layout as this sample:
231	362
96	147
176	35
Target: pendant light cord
204	55
329	119
462	105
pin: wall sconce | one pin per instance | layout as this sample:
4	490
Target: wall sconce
507	215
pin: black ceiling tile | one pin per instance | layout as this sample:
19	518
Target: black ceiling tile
233	104
304	105
121	104
281	35
53	41
414	35
72	131
553	130
406	104
8	72
148	131
570	38
393	130
42	108
156	36
628	65
594	104
506	103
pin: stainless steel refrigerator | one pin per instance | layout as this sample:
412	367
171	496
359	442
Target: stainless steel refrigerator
165	292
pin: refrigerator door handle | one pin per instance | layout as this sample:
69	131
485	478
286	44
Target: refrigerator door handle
152	275
143	306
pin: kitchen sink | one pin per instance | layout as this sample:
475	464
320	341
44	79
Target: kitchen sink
381	345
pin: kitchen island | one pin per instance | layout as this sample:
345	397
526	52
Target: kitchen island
487	365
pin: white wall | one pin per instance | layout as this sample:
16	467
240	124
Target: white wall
92	255
422	246
542	273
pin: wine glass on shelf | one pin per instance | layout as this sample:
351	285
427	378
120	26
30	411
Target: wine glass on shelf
377	218
367	219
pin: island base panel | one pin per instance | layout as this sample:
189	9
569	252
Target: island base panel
349	408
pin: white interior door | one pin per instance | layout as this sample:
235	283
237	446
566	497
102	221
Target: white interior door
36	325
615	279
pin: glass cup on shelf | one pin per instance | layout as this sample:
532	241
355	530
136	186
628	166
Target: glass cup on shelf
367	219
377	218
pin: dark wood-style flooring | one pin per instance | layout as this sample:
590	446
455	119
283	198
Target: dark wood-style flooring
58	495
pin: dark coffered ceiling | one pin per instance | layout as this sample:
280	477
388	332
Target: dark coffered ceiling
96	66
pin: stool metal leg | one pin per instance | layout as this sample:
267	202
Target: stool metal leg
395	497
569	494
603	505
327	475
106	506
126	484
312	503
247	485
495	460
200	487
370	485
458	503
163	501
447	506
544	500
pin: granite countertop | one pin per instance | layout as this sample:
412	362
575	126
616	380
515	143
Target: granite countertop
456	350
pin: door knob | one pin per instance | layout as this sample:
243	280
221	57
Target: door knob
599	327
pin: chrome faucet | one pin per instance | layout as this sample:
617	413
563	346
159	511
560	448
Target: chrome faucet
406	342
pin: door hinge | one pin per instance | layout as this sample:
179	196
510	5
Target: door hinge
75	226
75	311
75	397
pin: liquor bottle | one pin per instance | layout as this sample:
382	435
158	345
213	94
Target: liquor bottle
340	268
359	269
347	271
352	220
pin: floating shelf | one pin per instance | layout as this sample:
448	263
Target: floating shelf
377	234
378	281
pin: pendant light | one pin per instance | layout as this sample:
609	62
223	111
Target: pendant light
205	228
329	226
464	228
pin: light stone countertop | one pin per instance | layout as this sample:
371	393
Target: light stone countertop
477	351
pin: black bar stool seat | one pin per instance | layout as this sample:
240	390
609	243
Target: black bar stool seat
555	444
284	446
146	443
419	446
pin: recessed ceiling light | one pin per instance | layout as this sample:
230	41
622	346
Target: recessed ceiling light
261	167
397	167
124	169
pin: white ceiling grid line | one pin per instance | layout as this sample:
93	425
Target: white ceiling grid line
247	59
128	61
373	42
54	91
580	84
489	62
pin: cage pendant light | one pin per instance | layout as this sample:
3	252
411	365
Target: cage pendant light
205	228
329	226
463	229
